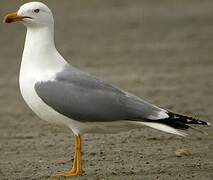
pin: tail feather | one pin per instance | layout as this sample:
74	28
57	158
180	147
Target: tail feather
163	127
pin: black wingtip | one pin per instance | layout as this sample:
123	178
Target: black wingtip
178	121
186	119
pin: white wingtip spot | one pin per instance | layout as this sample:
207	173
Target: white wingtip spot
160	115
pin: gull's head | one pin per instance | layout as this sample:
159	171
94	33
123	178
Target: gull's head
33	14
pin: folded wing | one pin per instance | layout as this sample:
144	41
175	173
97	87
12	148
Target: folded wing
85	98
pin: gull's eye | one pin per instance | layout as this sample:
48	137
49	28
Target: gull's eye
36	10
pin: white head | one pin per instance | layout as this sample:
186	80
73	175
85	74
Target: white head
32	15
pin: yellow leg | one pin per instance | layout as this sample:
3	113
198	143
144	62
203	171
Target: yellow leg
79	156
76	169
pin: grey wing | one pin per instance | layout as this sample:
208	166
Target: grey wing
87	99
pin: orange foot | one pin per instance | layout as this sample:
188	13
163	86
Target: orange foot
69	174
77	164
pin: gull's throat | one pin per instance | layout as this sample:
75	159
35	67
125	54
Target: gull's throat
40	54
39	39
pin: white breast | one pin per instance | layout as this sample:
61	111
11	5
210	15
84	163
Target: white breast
27	81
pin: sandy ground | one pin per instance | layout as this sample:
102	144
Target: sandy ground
160	50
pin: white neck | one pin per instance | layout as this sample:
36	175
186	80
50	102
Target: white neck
40	54
39	42
40	39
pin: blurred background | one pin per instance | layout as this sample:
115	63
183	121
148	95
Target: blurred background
160	50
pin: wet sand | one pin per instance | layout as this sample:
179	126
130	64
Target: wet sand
159	50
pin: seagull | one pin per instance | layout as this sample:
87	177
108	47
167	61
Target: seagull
60	93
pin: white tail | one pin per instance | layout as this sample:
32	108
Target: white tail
163	127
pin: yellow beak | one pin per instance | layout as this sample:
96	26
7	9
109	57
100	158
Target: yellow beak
14	17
